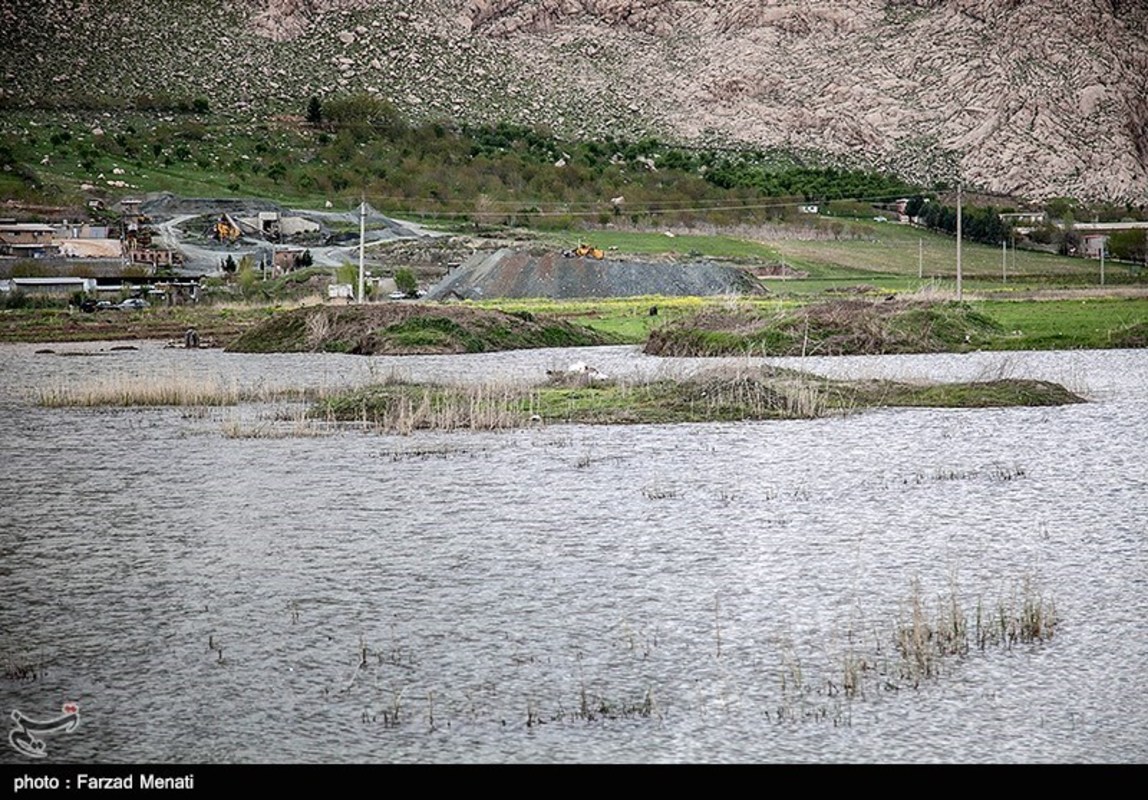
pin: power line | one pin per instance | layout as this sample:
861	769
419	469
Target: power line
557	208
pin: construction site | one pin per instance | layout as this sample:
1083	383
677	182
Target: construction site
173	240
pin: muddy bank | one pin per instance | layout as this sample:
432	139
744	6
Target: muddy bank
536	273
214	326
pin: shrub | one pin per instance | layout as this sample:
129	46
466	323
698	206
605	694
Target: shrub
406	282
13	299
27	268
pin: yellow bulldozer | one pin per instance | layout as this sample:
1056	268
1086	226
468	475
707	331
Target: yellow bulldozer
226	230
585	251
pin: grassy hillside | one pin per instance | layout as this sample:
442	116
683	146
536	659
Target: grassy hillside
354	144
358	145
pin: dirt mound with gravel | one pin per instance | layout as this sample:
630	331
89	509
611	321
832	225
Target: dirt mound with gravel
519	273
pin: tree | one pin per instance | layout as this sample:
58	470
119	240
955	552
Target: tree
1069	238
245	275
406	282
915	205
1060	207
314	112
361	114
1129	245
1044	234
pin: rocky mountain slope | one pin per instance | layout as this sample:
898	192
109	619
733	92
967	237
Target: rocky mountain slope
1039	98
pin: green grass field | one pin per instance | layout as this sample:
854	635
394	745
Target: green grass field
1063	323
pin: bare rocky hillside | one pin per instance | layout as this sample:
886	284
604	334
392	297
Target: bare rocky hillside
1037	98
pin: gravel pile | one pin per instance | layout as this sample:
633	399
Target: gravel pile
164	205
517	273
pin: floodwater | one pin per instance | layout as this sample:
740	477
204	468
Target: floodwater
693	593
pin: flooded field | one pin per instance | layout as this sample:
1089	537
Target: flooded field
228	584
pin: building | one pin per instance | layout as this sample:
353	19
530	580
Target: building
27	240
286	259
1094	235
1024	221
50	286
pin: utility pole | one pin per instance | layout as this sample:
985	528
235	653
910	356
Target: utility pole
959	295
920	259
1004	261
362	236
1102	245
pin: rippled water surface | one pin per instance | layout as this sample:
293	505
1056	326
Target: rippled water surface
693	593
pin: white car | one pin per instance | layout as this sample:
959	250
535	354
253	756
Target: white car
133	304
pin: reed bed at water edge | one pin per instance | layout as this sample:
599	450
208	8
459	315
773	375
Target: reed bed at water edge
171	390
396	407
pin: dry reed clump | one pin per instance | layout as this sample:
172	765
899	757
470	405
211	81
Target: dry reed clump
923	641
1024	617
925	638
123	391
165	391
405	408
318	328
762	393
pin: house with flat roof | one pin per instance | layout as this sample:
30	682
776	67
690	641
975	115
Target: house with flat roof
1094	235
27	240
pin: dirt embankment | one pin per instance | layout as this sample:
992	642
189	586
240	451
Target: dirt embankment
839	327
408	329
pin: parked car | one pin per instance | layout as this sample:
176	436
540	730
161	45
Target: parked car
133	304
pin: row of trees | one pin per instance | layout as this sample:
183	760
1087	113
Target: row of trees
978	223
